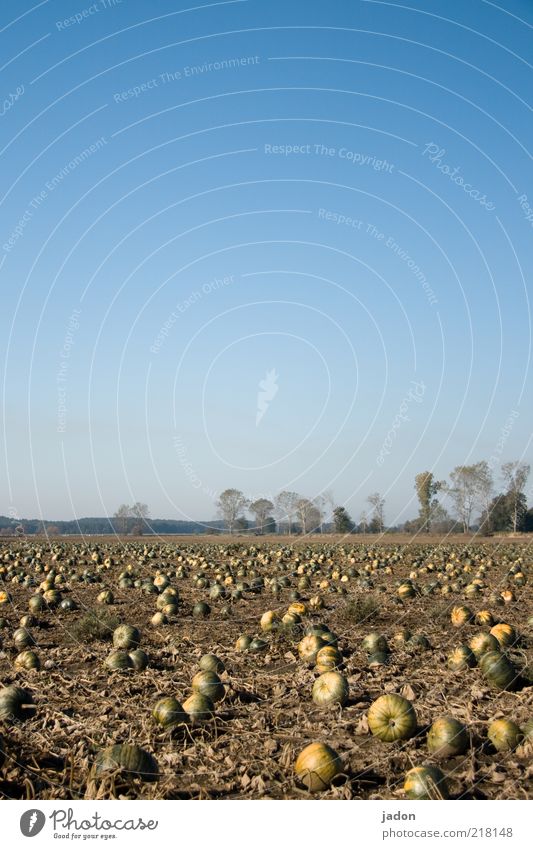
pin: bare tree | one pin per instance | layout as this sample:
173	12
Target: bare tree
363	521
140	510
377	502
325	504
261	508
485	492
469	490
515	475
229	505
308	515
285	504
122	515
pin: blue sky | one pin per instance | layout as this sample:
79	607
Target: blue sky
329	199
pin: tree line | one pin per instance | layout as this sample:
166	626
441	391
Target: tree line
472	500
471	503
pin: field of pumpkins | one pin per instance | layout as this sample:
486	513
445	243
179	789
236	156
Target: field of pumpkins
261	668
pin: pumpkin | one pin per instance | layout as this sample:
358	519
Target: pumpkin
309	646
528	730
447	737
290	620
23	638
504	633
257	644
379	658
139	659
461	615
27	621
331	688
126	637
498	670
374	643
392	718
485	617
128	759
52	598
406	590
211	663
418	643
402	637
461	658
105	597
425	782
269	621
27	660
36	603
327	659
119	661
15	703
482	643
159	618
504	734
298	607
208	684
316	766
508	596
198	707
243	643
169	712
201	610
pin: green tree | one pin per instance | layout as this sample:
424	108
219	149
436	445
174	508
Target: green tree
342	521
426	489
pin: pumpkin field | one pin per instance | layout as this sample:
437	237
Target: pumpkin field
266	668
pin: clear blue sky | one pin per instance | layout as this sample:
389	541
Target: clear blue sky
195	196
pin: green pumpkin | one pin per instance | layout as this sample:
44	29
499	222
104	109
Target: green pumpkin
498	670
126	637
119	661
504	734
130	760
139	659
16	703
168	712
392	718
425	782
447	738
208	684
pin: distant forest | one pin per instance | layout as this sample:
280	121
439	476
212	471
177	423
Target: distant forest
100	526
